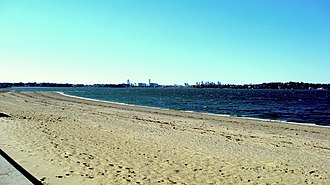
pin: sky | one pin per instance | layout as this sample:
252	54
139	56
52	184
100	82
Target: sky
167	41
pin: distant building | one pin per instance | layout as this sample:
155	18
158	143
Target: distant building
128	83
142	84
153	85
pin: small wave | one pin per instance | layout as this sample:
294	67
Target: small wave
204	113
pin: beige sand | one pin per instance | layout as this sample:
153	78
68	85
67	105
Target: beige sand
63	140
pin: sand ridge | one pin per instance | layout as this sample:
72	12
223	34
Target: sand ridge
65	140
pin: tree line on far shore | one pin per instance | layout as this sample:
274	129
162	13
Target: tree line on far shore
272	85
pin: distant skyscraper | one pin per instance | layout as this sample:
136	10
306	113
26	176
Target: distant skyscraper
149	82
128	83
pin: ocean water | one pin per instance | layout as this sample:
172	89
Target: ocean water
300	106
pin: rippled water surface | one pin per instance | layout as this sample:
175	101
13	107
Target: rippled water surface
302	106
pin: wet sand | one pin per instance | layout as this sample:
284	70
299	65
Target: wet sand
65	140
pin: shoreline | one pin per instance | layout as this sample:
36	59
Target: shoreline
66	140
293	118
188	111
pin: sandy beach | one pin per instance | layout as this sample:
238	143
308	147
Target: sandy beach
66	140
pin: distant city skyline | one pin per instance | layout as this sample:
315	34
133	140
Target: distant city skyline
278	86
170	42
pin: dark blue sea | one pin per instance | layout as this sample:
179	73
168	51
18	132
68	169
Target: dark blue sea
300	106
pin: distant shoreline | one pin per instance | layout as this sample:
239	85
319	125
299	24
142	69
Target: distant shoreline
272	85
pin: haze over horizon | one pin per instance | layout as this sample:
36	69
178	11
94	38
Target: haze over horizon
169	42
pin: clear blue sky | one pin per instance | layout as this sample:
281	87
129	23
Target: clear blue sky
169	41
